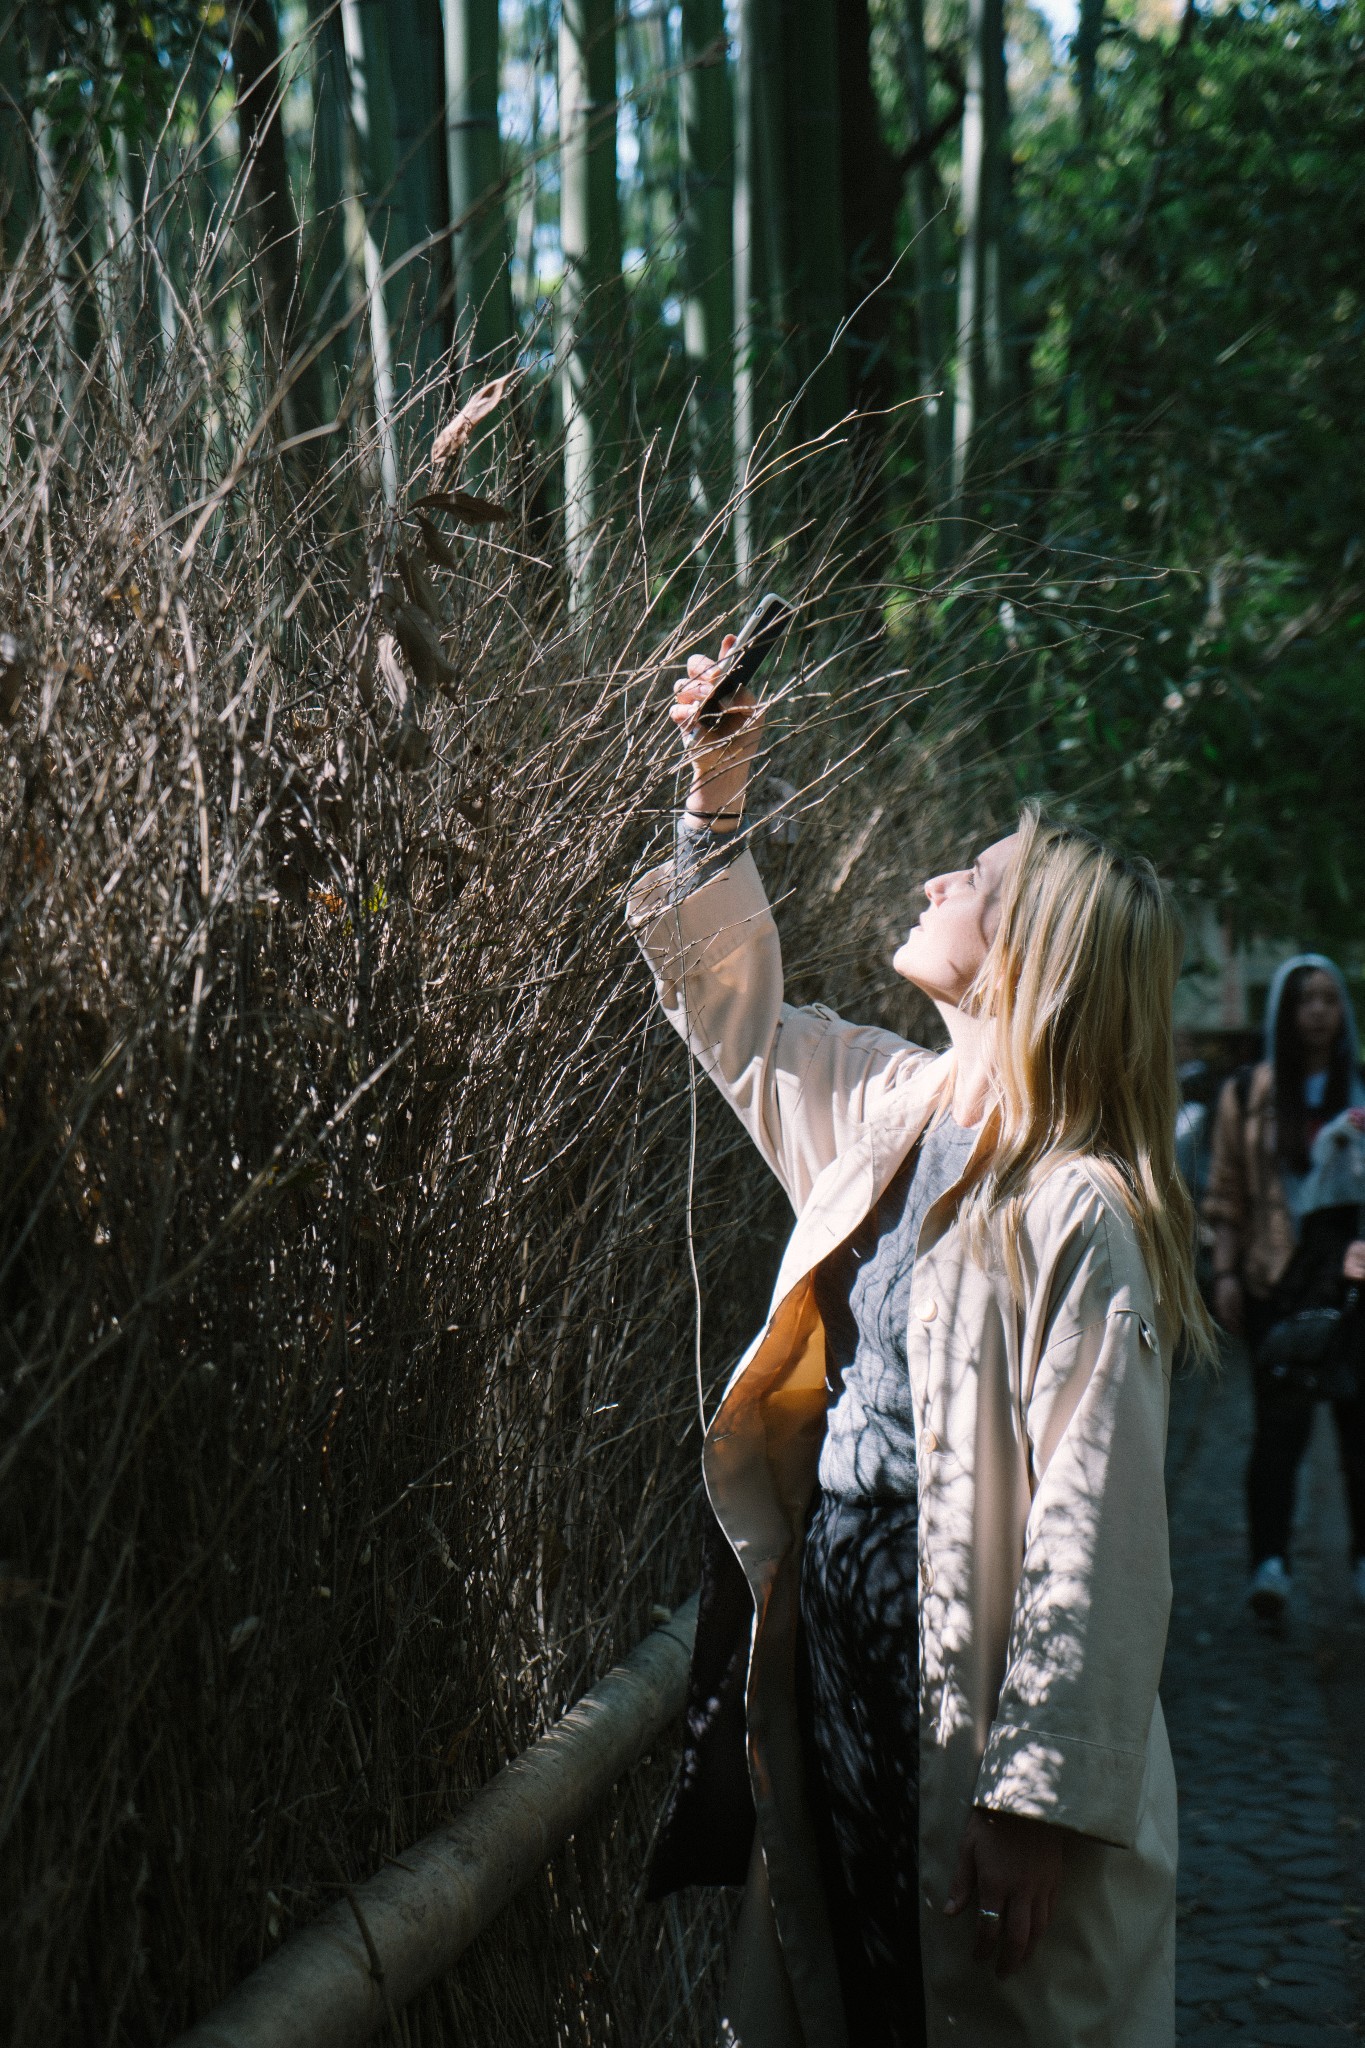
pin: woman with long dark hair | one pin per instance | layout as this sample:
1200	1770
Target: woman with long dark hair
938	1468
1259	1181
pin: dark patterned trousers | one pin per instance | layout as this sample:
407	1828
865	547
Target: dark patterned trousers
858	1693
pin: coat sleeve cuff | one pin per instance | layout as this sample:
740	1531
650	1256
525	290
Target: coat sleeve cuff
1063	1779
709	924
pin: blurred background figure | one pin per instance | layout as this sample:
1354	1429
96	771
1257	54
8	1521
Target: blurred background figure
1194	1118
1270	1265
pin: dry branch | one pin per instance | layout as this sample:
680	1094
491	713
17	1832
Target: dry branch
346	1316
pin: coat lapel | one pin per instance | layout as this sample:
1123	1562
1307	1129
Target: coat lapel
846	1190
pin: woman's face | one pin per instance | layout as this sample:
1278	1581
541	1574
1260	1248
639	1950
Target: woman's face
1317	1014
943	953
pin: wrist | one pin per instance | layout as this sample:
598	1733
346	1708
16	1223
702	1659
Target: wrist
716	786
711	797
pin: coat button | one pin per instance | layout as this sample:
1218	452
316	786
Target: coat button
926	1310
930	1440
926	1575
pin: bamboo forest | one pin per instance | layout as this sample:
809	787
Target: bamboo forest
395	393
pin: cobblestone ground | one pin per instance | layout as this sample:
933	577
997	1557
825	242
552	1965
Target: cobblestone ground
1269	1739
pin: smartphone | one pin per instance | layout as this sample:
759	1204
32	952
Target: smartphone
757	637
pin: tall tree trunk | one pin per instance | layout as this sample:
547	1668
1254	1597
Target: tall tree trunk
259	89
483	290
744	274
926	206
396	77
109	202
707	147
370	223
18	193
161	176
53	209
590	298
983	339
760	249
1085	50
815	220
870	182
421	293
528	198
332	276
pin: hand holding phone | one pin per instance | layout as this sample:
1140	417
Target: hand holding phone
722	736
757	638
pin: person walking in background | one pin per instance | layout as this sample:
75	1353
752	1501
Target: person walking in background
1258	1190
1194	1118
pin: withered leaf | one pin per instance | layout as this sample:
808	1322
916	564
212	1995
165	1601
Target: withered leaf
418	586
417	638
392	672
464	505
455	435
410	746
405	742
438	550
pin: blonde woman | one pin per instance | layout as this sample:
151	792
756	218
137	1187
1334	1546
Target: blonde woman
939	1464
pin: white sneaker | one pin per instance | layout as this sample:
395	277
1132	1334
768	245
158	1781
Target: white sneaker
1268	1593
1358	1580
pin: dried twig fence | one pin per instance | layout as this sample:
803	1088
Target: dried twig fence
335	1983
347	1424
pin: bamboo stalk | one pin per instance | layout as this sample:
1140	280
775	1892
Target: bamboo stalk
336	1982
590	299
707	151
483	294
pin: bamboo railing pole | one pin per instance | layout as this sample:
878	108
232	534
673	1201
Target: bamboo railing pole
335	1982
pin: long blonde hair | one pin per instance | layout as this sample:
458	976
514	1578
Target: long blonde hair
1078	983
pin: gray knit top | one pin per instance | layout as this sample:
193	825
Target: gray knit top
863	1293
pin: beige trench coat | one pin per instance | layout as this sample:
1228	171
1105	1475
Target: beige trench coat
1044	1568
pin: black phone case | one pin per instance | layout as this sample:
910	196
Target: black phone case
758	636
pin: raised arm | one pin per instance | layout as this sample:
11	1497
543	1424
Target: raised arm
801	1081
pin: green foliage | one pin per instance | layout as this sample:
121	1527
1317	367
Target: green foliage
1194	294
118	70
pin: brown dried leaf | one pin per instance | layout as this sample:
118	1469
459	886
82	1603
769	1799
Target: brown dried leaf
410	747
417	638
455	435
362	661
407	745
129	593
392	672
418	586
464	505
438	550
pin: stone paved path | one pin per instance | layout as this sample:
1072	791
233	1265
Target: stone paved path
1269	1741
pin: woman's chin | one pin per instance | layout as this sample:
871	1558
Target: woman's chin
940	987
904	964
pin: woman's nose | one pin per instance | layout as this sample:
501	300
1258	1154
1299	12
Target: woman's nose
934	887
